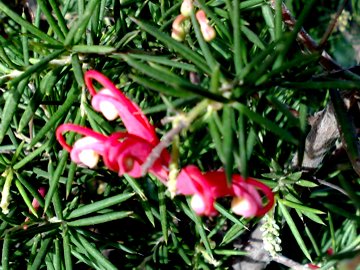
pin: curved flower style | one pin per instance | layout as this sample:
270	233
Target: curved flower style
207	187
123	152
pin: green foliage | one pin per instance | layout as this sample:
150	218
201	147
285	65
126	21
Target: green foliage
253	77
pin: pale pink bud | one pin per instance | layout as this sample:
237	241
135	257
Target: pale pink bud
178	30
207	30
186	7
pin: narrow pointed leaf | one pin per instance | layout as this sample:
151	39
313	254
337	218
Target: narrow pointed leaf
72	96
271	126
99	205
10	108
96	254
90	221
294	231
185	51
28	26
228	118
41	254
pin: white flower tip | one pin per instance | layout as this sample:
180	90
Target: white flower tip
197	204
108	110
208	32
243	207
89	158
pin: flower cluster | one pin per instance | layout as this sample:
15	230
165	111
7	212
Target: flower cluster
178	28
125	152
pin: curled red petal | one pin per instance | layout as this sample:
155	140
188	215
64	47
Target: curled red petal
267	192
91	141
78	129
133	118
184	183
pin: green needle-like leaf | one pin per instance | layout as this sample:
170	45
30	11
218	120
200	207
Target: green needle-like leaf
72	96
163	212
228	119
183	50
10	108
5	252
41	254
28	26
96	254
266	123
99	205
77	30
91	221
294	231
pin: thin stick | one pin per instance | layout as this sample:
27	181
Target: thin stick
332	25
164	143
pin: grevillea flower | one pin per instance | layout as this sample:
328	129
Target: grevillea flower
123	152
205	188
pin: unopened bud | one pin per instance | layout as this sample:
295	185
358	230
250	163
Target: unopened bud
186	7
207	31
178	31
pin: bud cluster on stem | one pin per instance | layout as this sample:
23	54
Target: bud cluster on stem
179	30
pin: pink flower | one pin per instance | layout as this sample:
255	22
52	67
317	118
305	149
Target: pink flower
207	187
123	152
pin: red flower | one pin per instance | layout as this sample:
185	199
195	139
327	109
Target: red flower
123	152
207	187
